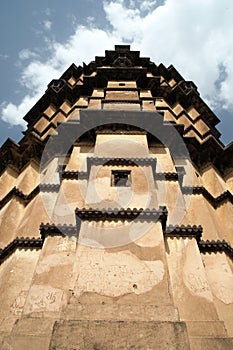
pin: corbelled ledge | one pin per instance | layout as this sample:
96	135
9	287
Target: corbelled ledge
216	246
184	231
90	214
71	230
20	242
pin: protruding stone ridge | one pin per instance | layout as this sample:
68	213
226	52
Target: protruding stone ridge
26	198
121	161
214	201
216	246
74	175
116	214
108	161
19	194
20	242
170	176
171	231
19	155
58	229
49	187
184	231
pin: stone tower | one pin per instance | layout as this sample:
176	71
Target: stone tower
116	215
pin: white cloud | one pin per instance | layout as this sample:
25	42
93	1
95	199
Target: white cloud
26	54
126	22
12	114
47	24
142	5
194	35
147	5
82	46
90	20
3	56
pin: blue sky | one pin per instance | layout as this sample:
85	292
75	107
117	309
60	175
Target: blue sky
40	39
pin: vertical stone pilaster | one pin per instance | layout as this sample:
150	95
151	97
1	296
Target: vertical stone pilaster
220	280
50	285
191	291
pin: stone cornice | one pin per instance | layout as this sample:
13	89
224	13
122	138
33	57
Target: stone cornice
49	187
57	230
25	243
169	176
215	247
70	230
72	71
58	91
15	192
210	151
196	232
26	198
74	175
214	201
121	161
211	130
105	161
120	88
81	175
120	132
184	231
90	214
18	155
121	101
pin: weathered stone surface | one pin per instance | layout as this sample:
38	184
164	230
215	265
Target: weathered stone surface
29	333
211	343
110	335
33	326
206	328
78	311
192	293
19	342
220	279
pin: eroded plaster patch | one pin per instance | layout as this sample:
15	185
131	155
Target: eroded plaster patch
43	298
52	260
194	274
116	274
220	278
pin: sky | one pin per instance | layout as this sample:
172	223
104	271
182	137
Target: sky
39	40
